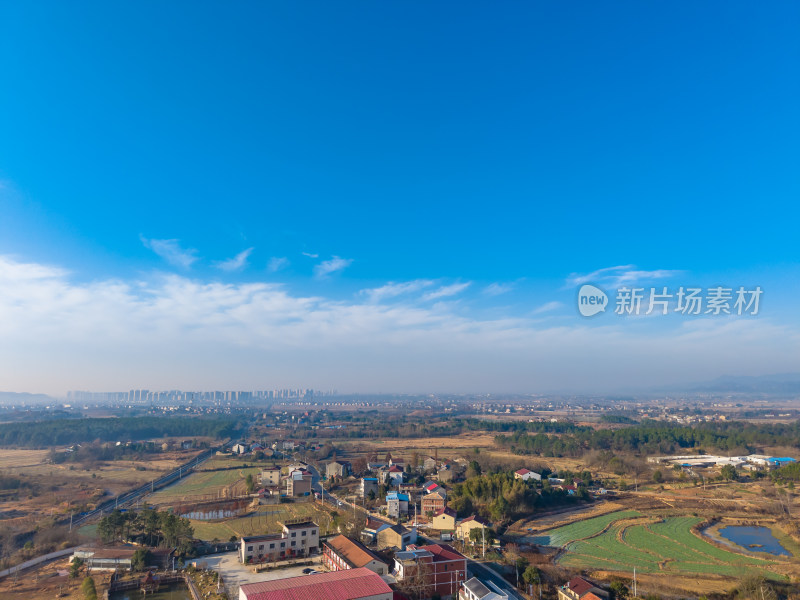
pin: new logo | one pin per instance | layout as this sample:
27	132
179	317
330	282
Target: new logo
591	300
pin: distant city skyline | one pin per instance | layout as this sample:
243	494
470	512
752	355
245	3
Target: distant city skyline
377	198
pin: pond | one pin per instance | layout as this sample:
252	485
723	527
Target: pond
166	592
754	539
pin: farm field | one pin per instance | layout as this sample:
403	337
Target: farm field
265	520
620	541
214	479
580	530
22	458
465	440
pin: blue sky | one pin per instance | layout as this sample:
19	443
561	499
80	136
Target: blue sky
475	159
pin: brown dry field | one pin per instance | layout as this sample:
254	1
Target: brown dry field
400	445
21	458
62	488
45	584
459	447
676	585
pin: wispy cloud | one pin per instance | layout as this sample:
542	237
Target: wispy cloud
548	307
170	331
497	289
171	251
394	289
620	275
276	263
310	255
447	290
328	267
237	263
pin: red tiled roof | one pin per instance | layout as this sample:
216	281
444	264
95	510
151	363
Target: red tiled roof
523	472
350	584
354	553
445	511
579	585
475	518
441	552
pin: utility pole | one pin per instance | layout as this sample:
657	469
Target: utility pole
634	582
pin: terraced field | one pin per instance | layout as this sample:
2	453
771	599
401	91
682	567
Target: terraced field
582	529
623	540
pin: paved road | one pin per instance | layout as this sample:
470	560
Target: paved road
484	573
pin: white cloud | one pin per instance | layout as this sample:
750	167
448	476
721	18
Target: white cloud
548	307
497	289
276	263
328	267
619	275
237	263
310	255
447	290
171	251
164	332
392	289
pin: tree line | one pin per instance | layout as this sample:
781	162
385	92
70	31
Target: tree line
499	496
62	432
655	437
149	527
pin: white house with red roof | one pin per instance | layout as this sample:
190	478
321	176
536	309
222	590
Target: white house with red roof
394	475
526	474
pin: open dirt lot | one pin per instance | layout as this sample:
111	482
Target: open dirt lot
46	583
235	574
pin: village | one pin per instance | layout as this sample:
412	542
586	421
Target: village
395	526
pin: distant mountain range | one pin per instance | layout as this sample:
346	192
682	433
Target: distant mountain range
24	397
782	383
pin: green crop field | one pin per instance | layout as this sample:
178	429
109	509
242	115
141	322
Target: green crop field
667	546
582	529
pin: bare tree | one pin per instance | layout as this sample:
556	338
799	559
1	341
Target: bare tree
416	582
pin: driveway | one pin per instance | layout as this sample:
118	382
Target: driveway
235	574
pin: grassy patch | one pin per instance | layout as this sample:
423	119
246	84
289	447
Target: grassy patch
668	546
582	529
266	519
